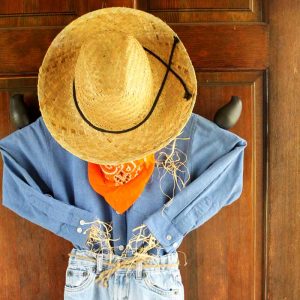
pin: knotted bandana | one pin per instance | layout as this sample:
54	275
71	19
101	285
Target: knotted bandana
122	184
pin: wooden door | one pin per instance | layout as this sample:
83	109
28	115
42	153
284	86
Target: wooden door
228	44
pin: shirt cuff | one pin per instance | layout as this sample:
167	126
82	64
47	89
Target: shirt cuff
164	231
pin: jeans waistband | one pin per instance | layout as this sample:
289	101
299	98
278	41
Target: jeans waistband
105	265
105	260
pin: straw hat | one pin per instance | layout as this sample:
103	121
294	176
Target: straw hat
106	91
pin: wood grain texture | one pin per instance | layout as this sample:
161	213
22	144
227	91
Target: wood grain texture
284	155
225	47
22	50
34	6
35	13
22	7
18	84
217	47
33	260
195	11
225	255
196	4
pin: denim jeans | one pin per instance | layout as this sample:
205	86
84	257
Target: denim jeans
142	281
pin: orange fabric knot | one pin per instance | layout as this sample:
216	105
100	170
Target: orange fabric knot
121	174
122	184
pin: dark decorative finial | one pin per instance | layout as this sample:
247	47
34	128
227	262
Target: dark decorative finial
19	113
228	115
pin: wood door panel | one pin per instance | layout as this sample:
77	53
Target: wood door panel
196	4
225	255
226	46
29	267
77	7
18	84
217	47
22	50
34	6
283	253
36	20
194	11
36	13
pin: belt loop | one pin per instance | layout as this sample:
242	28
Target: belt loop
99	263
139	270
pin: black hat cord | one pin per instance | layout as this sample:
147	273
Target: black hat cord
187	95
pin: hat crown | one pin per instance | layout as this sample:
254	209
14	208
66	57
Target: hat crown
113	80
68	100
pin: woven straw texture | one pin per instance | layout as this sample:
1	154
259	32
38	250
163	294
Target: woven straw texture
116	84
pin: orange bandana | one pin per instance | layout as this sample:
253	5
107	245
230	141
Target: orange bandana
122	184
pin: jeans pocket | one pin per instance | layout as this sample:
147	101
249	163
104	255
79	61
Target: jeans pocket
178	278
78	278
163	283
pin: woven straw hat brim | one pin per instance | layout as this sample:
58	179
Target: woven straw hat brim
56	75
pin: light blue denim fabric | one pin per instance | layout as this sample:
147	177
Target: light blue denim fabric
49	186
139	283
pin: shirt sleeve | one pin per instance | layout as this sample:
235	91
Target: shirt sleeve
26	186
216	158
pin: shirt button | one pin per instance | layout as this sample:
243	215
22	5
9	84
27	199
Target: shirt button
82	222
169	237
175	244
117	213
121	247
79	229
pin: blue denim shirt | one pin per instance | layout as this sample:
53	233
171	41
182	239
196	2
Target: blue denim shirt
49	186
